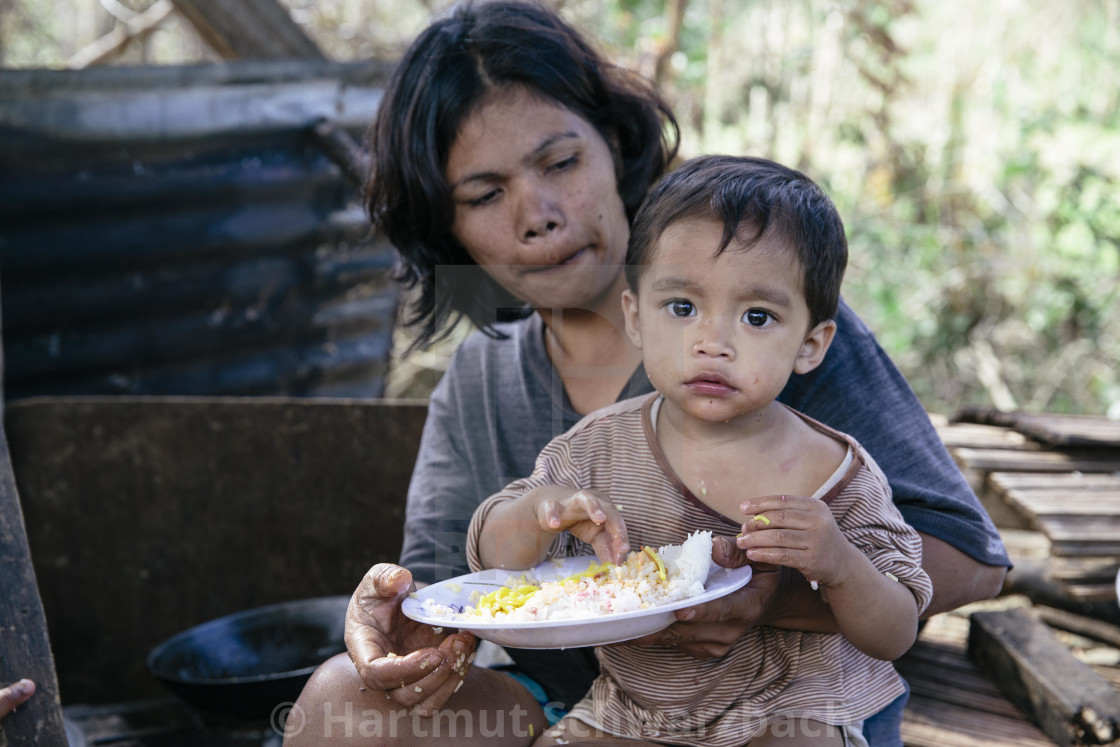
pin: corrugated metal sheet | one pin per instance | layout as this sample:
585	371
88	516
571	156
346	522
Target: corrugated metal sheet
181	231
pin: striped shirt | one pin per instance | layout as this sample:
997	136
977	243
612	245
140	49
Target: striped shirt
659	693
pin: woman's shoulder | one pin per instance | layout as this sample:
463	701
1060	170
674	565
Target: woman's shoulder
606	421
508	347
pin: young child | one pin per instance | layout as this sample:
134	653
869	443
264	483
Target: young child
734	272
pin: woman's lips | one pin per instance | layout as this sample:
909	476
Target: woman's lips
571	259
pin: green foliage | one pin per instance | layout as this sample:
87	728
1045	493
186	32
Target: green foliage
973	150
974	156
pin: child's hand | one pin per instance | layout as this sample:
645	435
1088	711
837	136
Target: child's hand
588	516
796	532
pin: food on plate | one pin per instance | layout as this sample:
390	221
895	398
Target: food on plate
648	578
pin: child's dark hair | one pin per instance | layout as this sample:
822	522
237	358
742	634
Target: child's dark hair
448	71
752	197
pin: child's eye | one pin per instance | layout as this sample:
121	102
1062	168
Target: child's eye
757	317
681	307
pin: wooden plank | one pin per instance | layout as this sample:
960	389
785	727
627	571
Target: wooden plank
1055	481
976	436
1063	430
1035	670
182	530
1054	502
26	650
1010	460
1085	626
1093	569
934	724
1085	592
1052	429
1081	529
1081	549
952	703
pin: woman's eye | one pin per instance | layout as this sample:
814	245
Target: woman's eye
483	199
563	163
756	317
680	307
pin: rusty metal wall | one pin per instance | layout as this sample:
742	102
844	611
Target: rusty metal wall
181	231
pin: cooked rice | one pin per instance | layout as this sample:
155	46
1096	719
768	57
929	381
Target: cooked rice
607	589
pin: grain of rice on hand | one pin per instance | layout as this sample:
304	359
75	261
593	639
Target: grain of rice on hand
648	578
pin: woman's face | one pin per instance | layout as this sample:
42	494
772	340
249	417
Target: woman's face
536	201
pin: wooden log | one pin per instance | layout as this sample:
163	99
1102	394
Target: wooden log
249	29
338	146
1069	701
26	650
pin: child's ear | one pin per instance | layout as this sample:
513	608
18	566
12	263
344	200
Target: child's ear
630	312
814	347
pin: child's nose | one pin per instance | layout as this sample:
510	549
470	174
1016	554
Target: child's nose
713	342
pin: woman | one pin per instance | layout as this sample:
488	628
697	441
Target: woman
509	158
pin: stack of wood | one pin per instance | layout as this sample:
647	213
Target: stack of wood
1058	475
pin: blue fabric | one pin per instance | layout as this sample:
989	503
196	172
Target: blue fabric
858	390
552	710
883	729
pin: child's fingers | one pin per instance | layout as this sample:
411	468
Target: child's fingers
611	542
590	505
781	503
550	516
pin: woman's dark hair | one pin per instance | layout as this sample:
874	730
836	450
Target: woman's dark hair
751	197
445	74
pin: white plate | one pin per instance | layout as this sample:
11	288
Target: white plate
573	633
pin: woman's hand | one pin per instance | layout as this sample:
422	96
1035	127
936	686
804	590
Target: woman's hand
797	532
415	665
587	515
708	631
15	695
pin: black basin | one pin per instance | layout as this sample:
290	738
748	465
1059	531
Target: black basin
244	665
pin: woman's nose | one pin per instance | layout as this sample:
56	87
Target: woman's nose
539	214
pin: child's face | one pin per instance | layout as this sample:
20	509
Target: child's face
720	335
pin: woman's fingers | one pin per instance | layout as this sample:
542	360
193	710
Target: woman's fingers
458	651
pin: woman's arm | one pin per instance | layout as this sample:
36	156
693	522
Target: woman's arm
957	578
858	390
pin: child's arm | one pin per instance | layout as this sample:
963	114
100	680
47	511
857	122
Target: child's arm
518	533
875	612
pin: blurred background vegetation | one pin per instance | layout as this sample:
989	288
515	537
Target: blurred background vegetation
973	150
